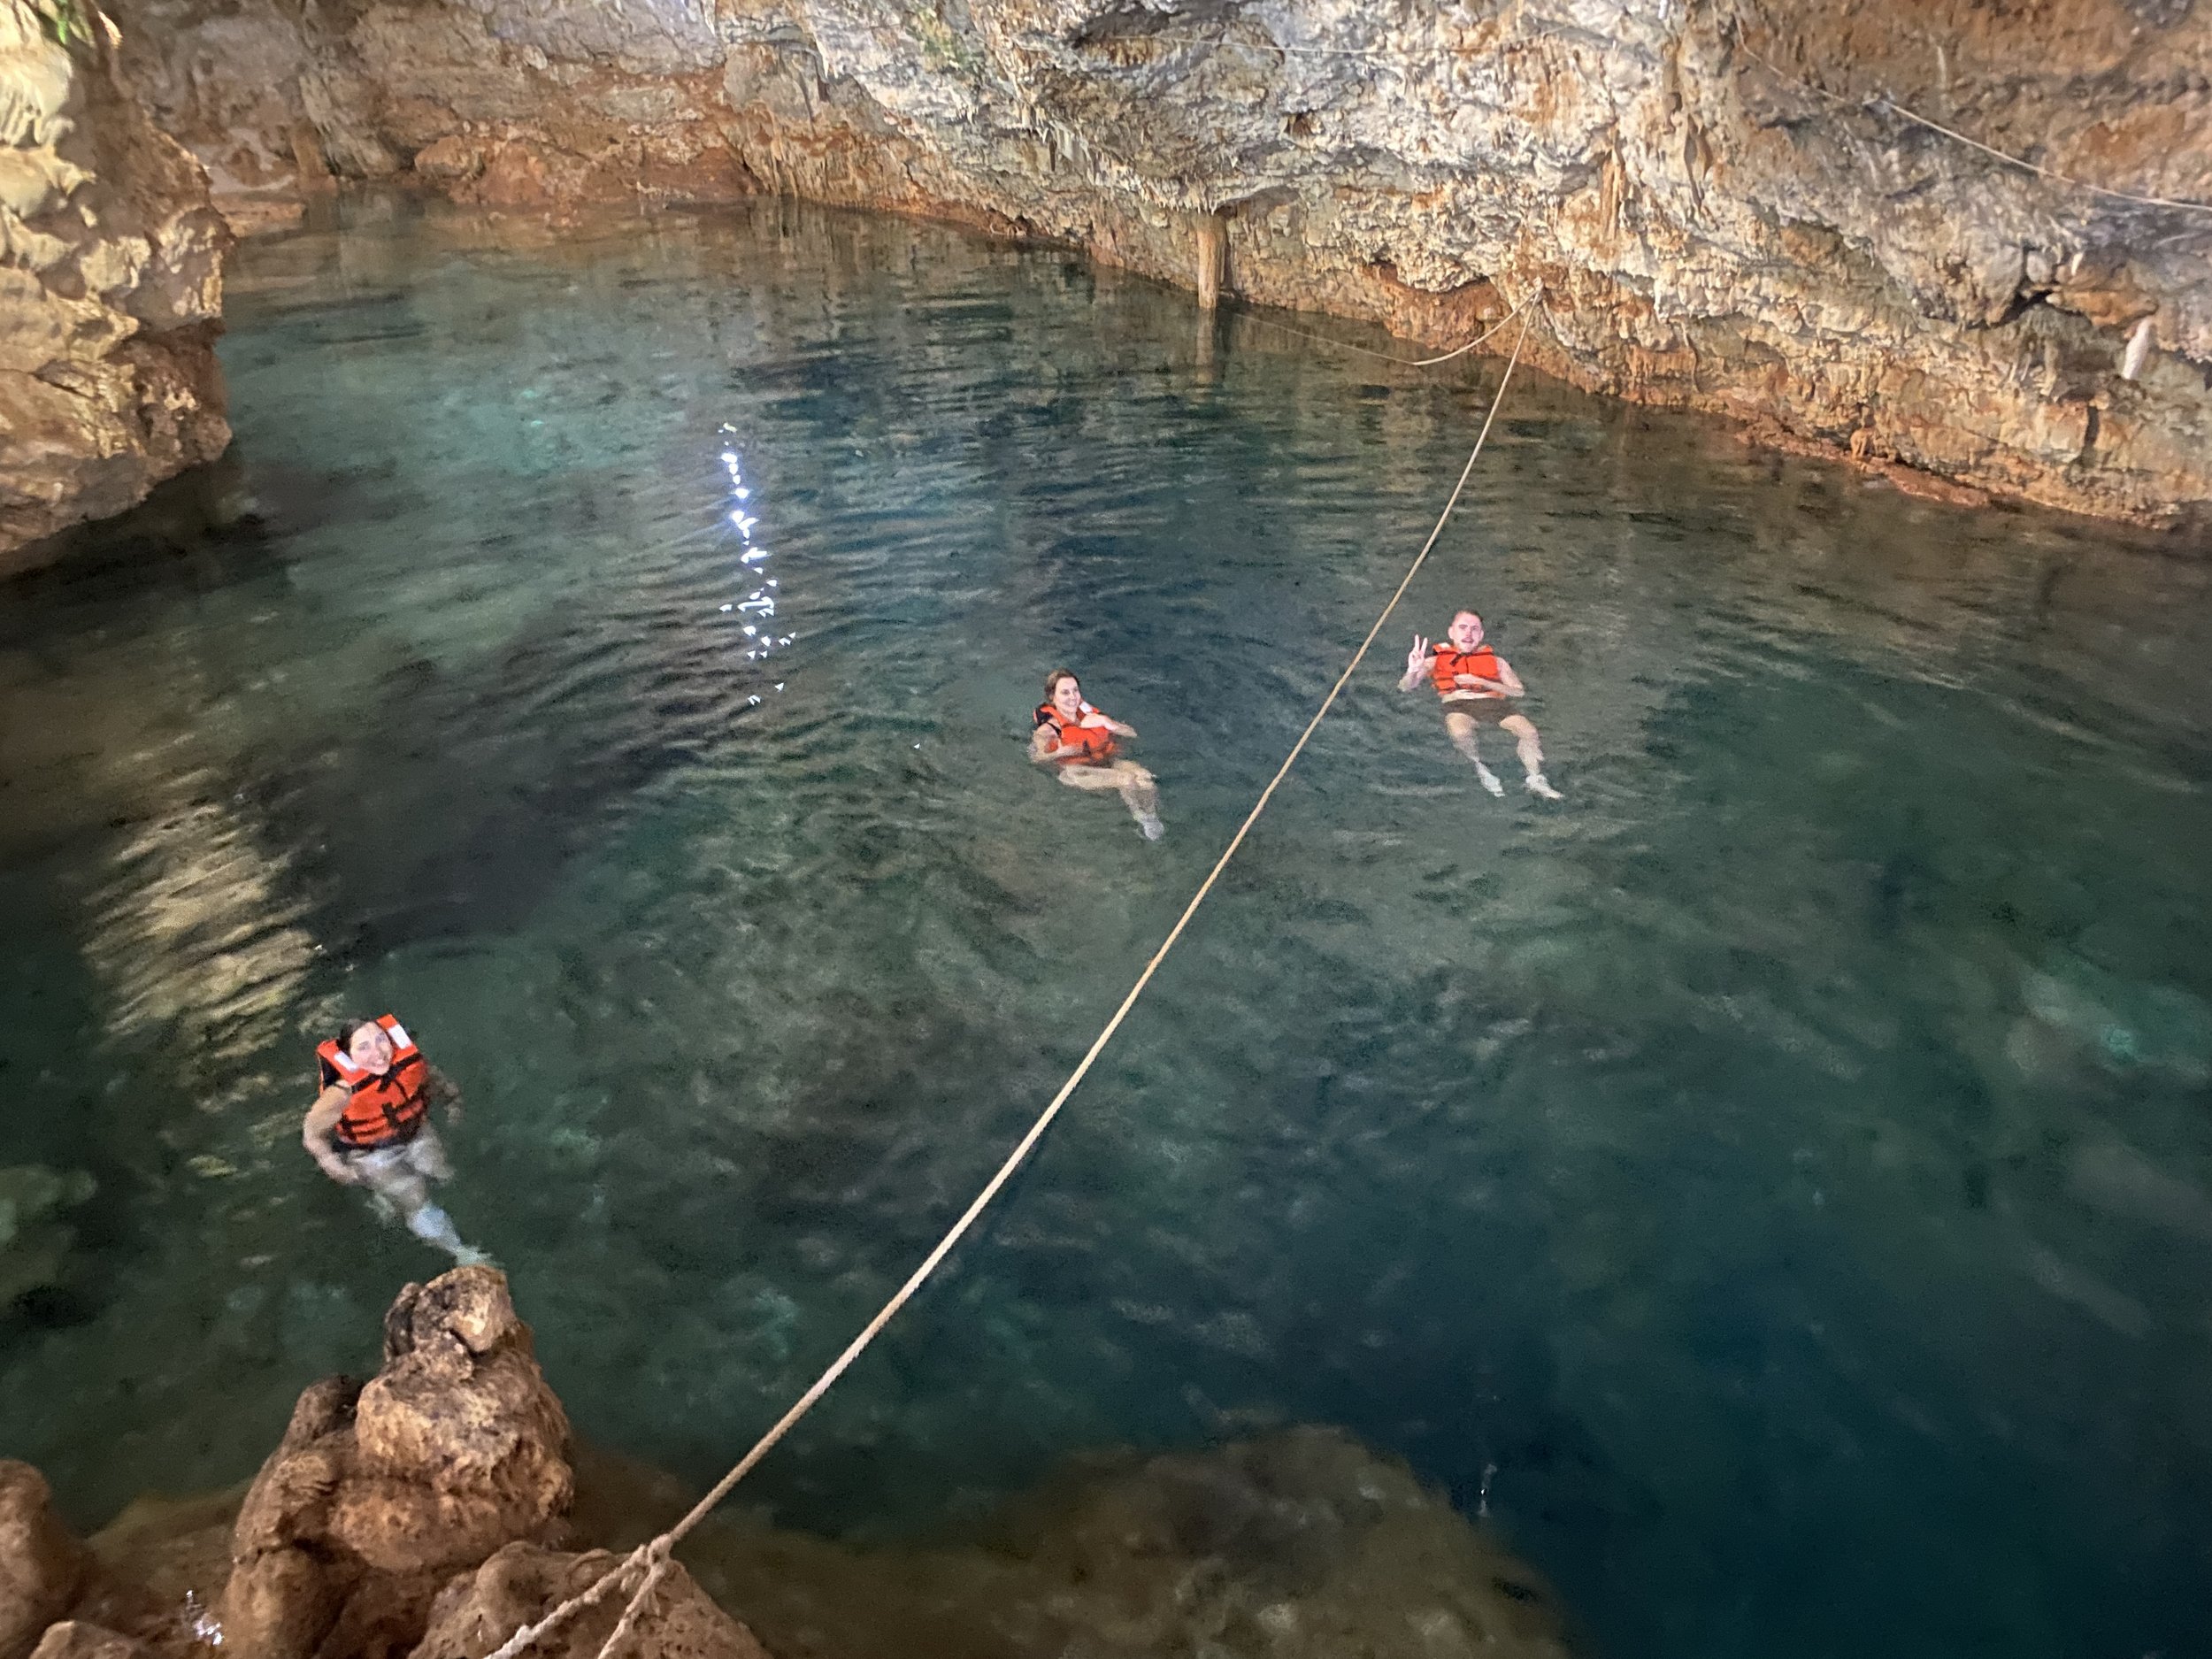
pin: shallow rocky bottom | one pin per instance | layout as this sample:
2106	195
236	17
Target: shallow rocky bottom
435	1510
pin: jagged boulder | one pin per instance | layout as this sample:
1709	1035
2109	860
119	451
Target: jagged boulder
111	283
478	1611
43	1566
378	1494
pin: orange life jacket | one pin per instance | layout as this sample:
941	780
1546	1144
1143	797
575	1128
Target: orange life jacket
1095	742
1482	661
385	1109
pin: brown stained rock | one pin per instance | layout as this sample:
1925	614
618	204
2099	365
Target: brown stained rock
111	287
75	1638
43	1566
378	1494
460	1401
478	1611
1716	208
289	1502
280	1603
451	160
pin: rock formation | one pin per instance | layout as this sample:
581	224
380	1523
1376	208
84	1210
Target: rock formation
1302	1545
111	283
377	1498
35	1240
1721	206
404	1516
41	1567
418	1516
377	1495
521	1584
78	1638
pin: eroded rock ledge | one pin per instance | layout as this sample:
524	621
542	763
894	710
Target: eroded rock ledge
111	283
439	1507
1709	209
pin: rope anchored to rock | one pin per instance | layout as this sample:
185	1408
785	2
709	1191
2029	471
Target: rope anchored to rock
645	1564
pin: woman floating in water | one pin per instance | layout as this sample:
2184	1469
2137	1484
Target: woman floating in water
1072	735
370	1127
1476	686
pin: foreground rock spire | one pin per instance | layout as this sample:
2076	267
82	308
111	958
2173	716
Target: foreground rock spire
414	1514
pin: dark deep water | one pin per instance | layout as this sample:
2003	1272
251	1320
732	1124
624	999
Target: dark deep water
1777	1182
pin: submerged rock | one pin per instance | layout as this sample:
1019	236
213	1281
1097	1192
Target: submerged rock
1304	1545
35	1240
2122	1023
111	283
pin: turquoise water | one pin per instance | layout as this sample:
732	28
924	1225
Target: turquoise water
1774	1185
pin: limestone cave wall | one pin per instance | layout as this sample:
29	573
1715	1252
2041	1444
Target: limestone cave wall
111	283
1708	203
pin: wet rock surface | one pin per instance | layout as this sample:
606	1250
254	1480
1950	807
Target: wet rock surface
1711	207
111	284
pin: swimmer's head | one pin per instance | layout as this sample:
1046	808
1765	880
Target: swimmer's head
365	1043
1466	631
1064	692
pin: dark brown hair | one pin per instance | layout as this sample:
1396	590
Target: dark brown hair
1053	680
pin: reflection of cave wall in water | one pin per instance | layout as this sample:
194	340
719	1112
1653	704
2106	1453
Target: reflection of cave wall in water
197	939
111	283
1705	229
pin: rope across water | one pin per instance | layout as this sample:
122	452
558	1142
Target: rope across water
649	1559
1382	356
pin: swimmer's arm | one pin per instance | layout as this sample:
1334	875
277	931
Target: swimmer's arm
315	1129
438	1089
1113	726
1044	746
1419	665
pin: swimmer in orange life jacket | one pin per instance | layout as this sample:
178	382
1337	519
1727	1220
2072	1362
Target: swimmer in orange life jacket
1076	739
370	1127
1478	687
